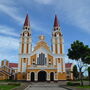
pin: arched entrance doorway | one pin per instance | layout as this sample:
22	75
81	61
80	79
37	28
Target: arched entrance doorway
52	76
32	76
42	76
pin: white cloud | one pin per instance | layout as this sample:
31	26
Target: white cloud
76	12
6	2
44	1
73	12
11	11
9	48
9	57
8	43
8	31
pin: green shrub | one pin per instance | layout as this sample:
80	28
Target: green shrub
86	86
16	84
69	83
73	84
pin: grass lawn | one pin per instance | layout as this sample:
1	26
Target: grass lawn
7	87
7	80
83	86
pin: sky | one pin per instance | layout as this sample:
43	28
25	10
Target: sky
73	17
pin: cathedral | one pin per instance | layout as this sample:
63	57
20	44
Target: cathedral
43	63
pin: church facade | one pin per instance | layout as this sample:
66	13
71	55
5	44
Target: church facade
43	63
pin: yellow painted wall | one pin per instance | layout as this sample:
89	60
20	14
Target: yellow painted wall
50	59
21	76
33	58
61	76
3	76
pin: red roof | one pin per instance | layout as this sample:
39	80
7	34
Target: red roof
56	22
27	23
13	65
68	65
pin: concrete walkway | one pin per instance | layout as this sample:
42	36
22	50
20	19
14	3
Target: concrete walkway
44	86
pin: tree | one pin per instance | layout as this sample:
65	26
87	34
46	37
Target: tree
78	52
75	72
87	60
89	74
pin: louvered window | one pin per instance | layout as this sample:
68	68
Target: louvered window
41	60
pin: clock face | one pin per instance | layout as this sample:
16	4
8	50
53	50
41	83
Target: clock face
26	33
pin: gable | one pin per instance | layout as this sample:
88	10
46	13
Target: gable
41	44
41	50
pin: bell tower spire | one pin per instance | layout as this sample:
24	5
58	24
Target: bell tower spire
26	23
56	21
56	25
57	38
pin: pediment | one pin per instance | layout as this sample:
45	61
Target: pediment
41	50
41	44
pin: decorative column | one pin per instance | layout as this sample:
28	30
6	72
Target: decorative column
28	76
55	76
48	76
36	76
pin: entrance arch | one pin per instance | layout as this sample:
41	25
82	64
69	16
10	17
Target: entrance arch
52	76
32	76
42	75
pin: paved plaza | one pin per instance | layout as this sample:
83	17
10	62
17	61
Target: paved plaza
44	86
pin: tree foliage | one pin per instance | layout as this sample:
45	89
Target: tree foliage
78	50
87	58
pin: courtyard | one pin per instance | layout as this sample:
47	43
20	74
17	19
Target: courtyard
44	86
60	85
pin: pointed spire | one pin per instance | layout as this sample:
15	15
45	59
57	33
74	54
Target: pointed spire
56	22
27	23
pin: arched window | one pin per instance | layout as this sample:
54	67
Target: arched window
41	60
